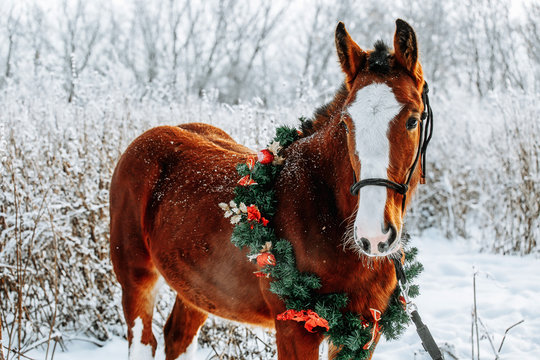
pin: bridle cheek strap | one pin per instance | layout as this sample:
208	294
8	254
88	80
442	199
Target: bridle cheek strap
402	189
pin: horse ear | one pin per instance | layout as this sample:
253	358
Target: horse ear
406	50
351	57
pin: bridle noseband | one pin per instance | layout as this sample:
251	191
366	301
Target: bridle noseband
402	189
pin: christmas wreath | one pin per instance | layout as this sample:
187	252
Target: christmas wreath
251	210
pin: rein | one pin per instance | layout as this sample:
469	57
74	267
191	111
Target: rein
425	137
428	342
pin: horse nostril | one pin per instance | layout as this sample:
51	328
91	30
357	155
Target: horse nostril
383	246
365	245
393	235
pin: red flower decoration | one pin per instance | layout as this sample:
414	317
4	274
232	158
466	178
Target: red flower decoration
311	318
264	221
253	213
246	181
266	258
265	156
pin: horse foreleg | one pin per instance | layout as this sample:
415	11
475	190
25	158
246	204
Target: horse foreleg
294	342
333	351
181	330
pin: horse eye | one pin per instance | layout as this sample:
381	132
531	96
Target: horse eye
411	123
345	126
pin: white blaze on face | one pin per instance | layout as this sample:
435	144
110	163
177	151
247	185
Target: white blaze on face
137	350
373	110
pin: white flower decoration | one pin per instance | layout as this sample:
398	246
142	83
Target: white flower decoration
233	211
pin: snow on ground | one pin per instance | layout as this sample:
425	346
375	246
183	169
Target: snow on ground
508	290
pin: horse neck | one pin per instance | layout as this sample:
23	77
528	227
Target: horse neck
325	159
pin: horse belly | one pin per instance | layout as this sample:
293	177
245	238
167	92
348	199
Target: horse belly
190	245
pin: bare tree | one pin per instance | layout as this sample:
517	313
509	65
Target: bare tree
491	46
142	49
530	33
12	29
149	26
241	62
471	47
209	63
176	12
438	55
35	25
319	53
190	47
79	35
222	42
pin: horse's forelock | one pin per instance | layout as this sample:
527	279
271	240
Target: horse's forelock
379	59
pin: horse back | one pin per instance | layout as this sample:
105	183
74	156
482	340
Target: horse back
216	136
198	154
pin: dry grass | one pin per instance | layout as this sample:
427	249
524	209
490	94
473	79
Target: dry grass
56	279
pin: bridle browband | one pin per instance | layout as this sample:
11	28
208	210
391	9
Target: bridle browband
426	124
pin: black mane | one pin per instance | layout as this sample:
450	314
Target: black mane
324	112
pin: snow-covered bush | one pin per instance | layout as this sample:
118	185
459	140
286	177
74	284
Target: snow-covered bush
512	203
483	172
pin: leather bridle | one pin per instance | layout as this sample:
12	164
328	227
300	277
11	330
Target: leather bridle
426	130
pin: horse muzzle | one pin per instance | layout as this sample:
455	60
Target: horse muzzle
379	243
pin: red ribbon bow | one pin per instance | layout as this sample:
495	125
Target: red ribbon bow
311	318
250	163
376	314
403	302
246	181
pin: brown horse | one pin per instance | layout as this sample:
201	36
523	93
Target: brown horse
165	219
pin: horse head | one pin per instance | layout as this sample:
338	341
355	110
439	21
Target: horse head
384	119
